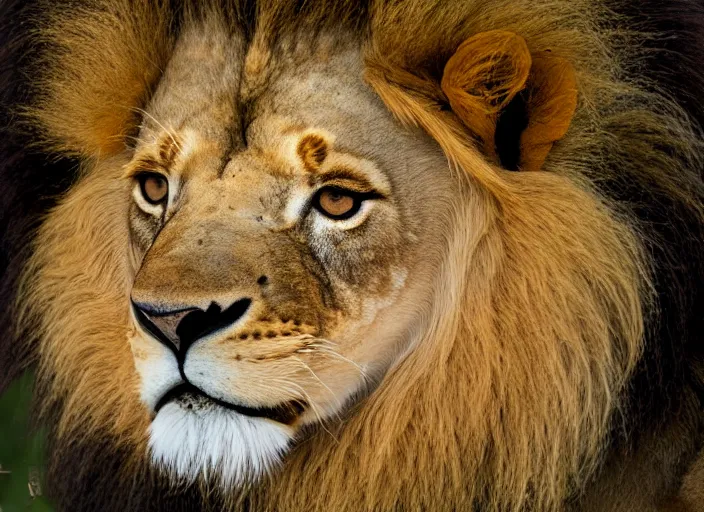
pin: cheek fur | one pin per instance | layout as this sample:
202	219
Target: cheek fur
157	368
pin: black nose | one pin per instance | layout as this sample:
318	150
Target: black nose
180	328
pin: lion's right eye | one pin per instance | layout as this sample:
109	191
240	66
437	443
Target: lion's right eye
154	187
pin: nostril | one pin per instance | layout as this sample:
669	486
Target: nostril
262	280
159	322
179	329
198	324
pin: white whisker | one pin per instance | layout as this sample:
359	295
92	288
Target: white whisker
322	349
168	132
313	405
315	376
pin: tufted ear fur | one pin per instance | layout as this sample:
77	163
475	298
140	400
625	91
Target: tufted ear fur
486	72
494	72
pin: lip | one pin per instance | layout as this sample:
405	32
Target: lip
286	413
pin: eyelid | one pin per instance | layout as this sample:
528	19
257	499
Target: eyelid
143	173
361	195
347	186
138	172
145	165
347	179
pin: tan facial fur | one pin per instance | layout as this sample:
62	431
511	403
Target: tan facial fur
466	324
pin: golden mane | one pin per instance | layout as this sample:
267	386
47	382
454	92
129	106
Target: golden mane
540	309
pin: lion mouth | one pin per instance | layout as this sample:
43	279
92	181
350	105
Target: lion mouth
286	413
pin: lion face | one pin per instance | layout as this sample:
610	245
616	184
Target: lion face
271	253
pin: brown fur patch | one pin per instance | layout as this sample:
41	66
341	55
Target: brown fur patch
168	149
158	159
312	150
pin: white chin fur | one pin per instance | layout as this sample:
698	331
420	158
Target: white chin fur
215	442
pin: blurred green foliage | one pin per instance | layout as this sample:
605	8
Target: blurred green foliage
21	452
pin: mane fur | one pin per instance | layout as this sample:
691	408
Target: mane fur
560	337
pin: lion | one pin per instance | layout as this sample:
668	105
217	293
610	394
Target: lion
343	255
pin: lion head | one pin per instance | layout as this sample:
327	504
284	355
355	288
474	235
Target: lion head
271	254
345	258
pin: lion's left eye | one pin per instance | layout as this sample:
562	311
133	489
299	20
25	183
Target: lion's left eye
154	187
337	203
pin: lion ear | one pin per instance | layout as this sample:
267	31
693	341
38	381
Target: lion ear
551	102
493	79
482	77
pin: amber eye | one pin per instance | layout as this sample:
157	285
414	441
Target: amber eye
338	203
154	187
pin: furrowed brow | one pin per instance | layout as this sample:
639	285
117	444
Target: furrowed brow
159	161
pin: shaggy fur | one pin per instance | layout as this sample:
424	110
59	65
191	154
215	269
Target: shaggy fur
559	367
